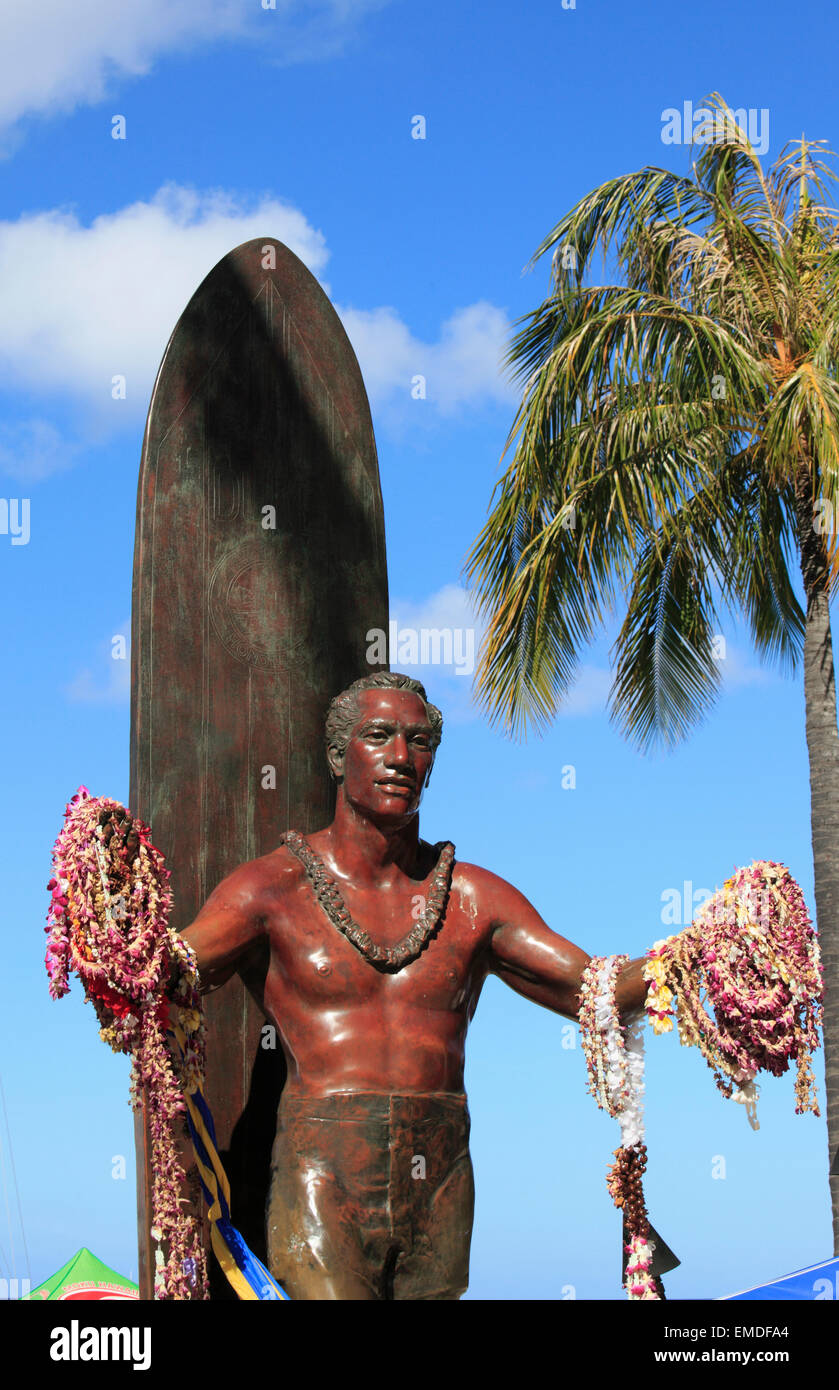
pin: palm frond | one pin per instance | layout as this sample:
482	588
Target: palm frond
657	448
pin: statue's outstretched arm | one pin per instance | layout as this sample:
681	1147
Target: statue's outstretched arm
227	926
542	965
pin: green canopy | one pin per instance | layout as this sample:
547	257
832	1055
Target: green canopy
84	1276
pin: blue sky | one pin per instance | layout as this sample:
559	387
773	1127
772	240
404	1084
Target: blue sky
296	123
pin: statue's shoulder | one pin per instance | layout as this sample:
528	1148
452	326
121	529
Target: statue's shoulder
280	868
268	873
479	883
488	896
477	877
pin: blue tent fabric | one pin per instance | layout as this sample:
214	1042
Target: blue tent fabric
815	1282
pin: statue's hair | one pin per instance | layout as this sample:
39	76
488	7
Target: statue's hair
345	711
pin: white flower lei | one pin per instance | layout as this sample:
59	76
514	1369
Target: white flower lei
619	1089
624	1057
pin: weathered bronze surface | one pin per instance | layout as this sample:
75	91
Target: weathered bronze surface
372	1196
242	633
371	1190
244	624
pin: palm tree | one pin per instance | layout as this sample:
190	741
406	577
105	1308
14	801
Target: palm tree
678	444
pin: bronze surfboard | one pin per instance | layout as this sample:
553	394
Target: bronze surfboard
259	567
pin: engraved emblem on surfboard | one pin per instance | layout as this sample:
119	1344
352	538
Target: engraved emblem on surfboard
258	603
227	491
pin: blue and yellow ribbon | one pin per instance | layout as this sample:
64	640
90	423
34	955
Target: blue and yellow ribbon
246	1274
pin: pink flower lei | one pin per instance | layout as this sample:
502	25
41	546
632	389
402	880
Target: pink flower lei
752	950
108	923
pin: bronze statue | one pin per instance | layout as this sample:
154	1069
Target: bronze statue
379	945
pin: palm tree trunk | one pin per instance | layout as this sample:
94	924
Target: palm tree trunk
823	751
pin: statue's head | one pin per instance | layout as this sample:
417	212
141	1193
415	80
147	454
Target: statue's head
381	736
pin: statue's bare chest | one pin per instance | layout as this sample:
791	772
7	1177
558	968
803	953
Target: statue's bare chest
313	957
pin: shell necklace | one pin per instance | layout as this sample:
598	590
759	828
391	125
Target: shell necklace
386	958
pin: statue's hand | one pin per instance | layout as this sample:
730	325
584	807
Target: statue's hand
120	823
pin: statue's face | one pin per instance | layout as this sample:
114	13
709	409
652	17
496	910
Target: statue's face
387	762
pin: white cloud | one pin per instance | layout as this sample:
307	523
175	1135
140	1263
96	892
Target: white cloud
463	367
436	640
451	608
589	692
736	671
313	29
58	55
34	449
108	679
80	305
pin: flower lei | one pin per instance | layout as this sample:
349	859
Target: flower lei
108	923
328	894
752	949
615	1064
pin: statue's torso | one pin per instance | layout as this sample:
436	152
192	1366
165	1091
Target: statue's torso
343	1024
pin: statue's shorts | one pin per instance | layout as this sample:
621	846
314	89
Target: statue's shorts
372	1196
